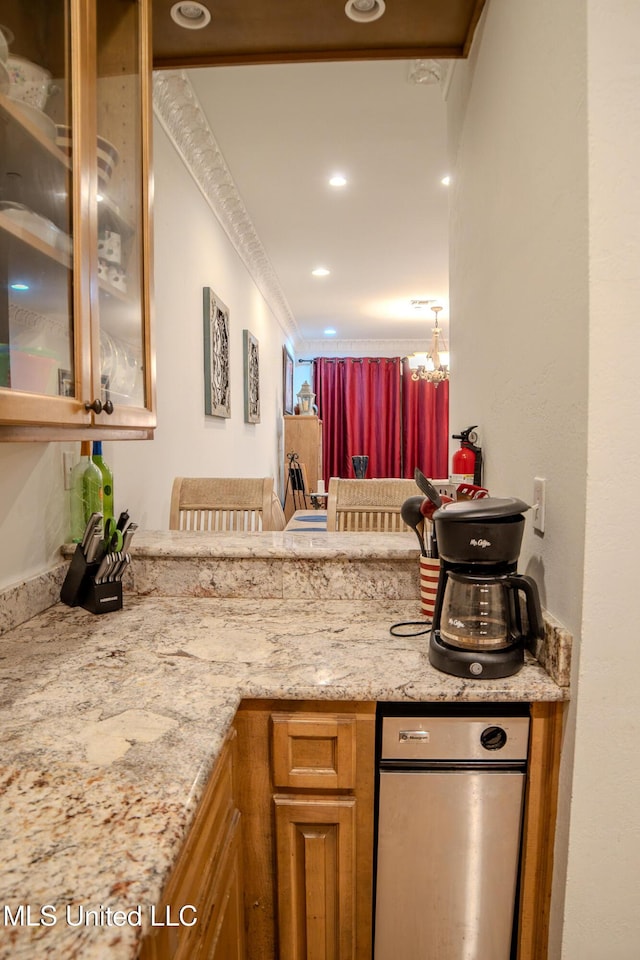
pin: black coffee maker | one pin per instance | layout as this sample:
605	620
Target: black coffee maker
485	612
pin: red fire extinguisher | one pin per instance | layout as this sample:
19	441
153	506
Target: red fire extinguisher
466	463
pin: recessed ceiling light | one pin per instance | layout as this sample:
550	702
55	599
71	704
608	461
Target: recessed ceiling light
19	286
364	11
320	272
338	180
191	16
446	180
329	332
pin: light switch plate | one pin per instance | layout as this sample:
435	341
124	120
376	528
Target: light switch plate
538	506
68	462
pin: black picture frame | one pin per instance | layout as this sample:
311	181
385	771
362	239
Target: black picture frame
287	381
251	377
217	382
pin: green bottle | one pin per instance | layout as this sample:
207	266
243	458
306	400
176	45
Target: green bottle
107	480
86	491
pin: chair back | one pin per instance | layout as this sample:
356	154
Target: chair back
225	503
368	505
298	486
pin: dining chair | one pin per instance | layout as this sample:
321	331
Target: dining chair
298	486
225	503
368	505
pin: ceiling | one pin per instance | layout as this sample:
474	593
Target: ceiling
285	127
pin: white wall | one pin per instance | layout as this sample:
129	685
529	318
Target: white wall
34	512
519	272
603	883
192	251
545	292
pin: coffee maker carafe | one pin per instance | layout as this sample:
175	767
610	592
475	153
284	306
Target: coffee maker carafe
485	612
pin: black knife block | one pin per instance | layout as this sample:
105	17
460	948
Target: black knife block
103	597
81	590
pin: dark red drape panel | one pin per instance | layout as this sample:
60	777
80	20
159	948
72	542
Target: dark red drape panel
425	425
359	404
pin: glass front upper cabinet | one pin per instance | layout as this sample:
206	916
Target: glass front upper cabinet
74	218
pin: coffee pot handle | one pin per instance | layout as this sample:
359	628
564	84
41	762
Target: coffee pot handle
528	586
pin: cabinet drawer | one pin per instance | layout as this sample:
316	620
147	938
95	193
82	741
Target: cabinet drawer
314	751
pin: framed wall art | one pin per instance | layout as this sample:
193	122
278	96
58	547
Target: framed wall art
287	380
217	387
251	378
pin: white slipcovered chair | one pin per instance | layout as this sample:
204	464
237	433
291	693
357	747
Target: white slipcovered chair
225	503
368	505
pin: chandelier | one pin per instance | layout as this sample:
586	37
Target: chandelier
434	365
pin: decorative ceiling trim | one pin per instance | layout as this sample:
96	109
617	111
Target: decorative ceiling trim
178	110
425	71
363	348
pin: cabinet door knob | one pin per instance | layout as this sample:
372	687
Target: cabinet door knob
107	407
96	406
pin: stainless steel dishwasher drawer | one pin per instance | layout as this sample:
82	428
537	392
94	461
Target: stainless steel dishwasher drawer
449	844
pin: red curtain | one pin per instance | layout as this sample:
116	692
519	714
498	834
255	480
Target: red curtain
359	404
425	426
372	406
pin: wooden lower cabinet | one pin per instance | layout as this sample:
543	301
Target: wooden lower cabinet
279	860
306	786
208	878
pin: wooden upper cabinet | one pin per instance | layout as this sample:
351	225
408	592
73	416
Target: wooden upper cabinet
75	260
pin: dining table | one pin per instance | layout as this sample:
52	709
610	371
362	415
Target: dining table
307	521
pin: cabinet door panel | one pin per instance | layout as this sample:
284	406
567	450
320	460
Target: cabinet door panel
40	300
121	207
315	857
224	937
314	751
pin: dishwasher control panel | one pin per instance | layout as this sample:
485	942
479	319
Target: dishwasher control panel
454	738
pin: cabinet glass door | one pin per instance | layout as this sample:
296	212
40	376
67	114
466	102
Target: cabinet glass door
121	198
36	256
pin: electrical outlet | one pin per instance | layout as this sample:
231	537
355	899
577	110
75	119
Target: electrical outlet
68	463
538	505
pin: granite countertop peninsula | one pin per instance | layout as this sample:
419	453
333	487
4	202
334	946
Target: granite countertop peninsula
111	724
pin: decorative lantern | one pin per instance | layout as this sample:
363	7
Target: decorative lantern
306	399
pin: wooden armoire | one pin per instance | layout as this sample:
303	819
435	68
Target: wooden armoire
302	435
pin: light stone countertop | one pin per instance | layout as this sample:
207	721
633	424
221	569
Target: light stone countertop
277	544
112	724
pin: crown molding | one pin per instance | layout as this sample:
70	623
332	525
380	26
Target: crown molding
178	110
363	348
